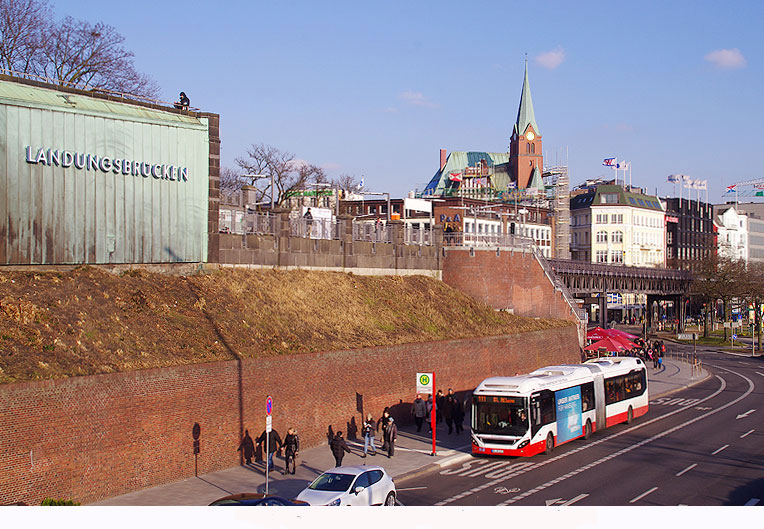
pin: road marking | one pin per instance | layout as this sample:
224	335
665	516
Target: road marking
644	494
410	488
752	502
746	414
719	450
574	500
703	408
533	466
641	443
758	373
686	469
668	401
746	434
505	490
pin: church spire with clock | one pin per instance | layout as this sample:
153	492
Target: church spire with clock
526	158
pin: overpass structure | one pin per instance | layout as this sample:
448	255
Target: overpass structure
586	279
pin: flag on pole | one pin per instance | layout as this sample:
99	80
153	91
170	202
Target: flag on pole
701	184
622	165
610	162
731	188
360	186
674	178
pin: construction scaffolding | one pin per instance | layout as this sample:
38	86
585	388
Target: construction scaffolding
557	184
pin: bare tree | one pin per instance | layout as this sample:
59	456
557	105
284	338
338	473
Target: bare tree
230	180
73	52
287	174
23	23
85	55
346	182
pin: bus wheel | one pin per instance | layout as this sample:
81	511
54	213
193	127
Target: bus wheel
629	416
588	429
549	443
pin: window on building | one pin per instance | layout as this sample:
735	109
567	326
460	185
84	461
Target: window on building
609	198
601	236
617	236
601	256
616	256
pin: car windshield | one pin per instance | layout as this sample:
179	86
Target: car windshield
501	418
332	482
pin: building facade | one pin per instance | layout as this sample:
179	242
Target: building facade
690	233
611	225
91	178
732	227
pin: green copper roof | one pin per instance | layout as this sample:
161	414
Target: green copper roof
536	182
458	160
525	114
20	94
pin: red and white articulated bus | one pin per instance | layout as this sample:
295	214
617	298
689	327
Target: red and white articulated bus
528	414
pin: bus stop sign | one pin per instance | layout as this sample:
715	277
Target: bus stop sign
424	383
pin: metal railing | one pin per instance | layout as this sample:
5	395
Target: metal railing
691	359
366	231
558	283
420	236
329	229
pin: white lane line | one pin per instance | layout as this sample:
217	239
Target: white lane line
752	502
410	488
533	466
686	469
643	442
719	450
746	434
574	500
644	494
759	373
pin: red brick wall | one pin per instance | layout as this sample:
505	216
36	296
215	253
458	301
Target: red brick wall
88	438
509	280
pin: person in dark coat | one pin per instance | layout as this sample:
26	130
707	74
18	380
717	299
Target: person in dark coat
274	444
291	450
391	435
448	410
339	447
419	411
247	446
382	424
458	415
440	401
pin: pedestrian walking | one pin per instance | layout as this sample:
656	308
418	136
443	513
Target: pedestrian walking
274	444
458	415
448	410
429	413
368	431
247	447
291	451
419	411
391	435
338	447
382	424
440	400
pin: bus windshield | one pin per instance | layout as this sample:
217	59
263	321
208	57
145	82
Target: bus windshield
501	415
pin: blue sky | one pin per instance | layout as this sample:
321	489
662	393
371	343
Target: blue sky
375	89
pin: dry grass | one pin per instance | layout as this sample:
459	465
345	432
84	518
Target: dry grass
88	321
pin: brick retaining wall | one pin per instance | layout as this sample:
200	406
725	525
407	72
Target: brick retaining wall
93	437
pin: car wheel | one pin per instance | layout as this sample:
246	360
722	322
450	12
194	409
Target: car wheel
549	443
390	500
588	429
629	416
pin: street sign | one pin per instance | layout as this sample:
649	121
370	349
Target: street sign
424	383
269	423
734	336
268	405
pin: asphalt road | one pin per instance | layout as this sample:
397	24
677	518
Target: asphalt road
703	446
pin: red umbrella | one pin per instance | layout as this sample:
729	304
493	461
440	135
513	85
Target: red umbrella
611	345
623	341
620	334
598	333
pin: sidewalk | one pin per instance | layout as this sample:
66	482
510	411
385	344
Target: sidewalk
412	456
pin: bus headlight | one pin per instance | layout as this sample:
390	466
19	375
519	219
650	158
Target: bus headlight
523	444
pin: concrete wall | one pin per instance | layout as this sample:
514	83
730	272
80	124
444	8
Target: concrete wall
285	251
88	438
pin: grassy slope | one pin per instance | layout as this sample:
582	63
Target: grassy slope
89	321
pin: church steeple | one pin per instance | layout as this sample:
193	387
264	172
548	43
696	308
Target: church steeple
525	114
526	160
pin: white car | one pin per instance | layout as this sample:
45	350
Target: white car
351	485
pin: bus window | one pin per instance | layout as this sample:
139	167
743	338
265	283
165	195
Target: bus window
548	410
587	396
535	414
